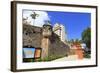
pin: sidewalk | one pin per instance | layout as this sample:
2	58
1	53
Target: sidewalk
69	58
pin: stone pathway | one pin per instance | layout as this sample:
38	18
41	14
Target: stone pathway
69	58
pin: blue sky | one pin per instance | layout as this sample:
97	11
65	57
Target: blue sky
74	22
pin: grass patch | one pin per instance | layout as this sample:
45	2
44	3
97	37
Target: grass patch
50	58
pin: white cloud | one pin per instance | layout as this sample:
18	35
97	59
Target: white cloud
39	21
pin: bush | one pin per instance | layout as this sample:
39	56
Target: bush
87	55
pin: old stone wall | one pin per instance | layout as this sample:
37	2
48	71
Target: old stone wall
57	48
32	36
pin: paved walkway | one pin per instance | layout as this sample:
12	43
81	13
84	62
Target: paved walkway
69	58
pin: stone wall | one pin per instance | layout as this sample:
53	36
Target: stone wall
32	36
57	47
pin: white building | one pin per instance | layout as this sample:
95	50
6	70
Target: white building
83	45
59	29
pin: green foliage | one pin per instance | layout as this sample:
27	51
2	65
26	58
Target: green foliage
78	41
87	55
50	58
34	15
74	41
86	37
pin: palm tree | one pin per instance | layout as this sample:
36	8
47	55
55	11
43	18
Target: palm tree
34	15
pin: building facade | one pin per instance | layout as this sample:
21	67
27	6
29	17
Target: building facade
59	29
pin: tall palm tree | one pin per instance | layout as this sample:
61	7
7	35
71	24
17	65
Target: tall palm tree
34	15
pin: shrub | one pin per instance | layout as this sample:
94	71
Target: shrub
87	55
